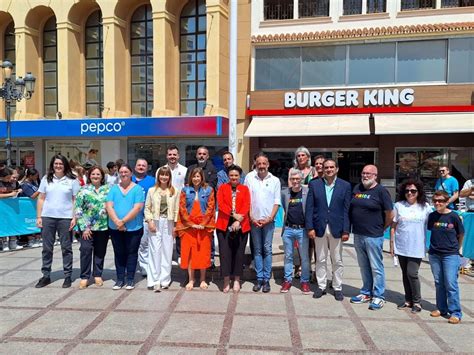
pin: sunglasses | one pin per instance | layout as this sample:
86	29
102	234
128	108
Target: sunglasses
411	191
439	201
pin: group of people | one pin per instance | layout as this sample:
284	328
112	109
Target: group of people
143	215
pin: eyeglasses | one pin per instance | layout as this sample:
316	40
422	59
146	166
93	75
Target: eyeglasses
439	201
411	191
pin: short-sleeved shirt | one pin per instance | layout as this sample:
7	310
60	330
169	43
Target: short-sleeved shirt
178	175
295	214
90	208
469	201
145	183
449	185
264	193
410	233
123	204
367	210
58	196
444	231
28	189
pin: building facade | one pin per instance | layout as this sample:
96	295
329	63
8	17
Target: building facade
126	77
385	82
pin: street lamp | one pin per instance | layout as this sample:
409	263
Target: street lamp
21	88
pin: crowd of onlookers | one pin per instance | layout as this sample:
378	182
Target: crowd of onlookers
142	215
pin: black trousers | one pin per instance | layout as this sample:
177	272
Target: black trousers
126	246
95	247
51	226
231	252
411	282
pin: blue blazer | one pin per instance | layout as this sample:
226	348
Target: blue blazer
319	214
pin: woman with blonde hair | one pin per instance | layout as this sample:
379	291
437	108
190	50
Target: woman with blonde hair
161	214
196	223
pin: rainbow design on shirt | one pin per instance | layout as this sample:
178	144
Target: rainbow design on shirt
443	225
295	200
362	196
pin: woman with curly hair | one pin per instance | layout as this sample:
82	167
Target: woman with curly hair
407	238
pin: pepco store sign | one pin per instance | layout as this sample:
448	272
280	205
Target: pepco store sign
349	98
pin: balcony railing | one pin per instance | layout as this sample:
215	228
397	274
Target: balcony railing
417	4
278	9
457	3
313	8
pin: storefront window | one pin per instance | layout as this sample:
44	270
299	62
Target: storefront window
461	59
22	154
421	61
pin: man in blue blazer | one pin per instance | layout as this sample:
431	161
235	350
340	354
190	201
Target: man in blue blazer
327	222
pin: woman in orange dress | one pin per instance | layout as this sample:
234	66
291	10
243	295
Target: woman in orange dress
196	223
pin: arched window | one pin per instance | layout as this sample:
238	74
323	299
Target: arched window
193	58
50	68
141	38
94	66
9	54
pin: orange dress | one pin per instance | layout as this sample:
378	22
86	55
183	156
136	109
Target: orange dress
196	243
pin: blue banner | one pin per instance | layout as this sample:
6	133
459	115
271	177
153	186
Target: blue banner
18	216
203	126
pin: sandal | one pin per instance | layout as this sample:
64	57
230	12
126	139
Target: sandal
189	286
236	287
99	282
454	320
226	288
204	285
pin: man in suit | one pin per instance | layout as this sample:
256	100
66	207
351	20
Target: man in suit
327	222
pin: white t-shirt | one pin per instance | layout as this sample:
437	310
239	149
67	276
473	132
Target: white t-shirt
58	196
469	199
264	194
111	179
178	175
410	233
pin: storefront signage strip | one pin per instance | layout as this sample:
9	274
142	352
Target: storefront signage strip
360	110
120	127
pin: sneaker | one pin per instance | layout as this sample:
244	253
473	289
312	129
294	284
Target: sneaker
6	248
130	285
338	295
44	281
266	286
16	247
360	299
376	304
404	305
305	289
258	286
416	308
118	285
174	263
67	282
319	293
285	287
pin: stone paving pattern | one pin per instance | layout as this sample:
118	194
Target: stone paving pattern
101	321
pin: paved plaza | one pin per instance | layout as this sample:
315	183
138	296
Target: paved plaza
101	321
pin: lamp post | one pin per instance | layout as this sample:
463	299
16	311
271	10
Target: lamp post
21	88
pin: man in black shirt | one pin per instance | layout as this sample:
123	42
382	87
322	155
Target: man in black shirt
370	213
203	162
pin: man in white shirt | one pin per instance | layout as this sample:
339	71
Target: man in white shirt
265	193
178	175
178	171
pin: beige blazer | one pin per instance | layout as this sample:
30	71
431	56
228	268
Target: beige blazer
152	205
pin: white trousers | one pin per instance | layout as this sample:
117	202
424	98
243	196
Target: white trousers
160	253
334	245
143	249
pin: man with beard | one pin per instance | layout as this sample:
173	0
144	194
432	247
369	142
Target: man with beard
265	193
203	162
222	177
370	214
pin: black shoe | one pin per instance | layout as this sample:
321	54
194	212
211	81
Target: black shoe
319	293
266	287
416	308
67	282
338	295
44	281
118	285
213	266
404	305
258	286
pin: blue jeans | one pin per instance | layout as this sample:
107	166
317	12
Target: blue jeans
262	247
445	272
290	235
370	258
126	246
